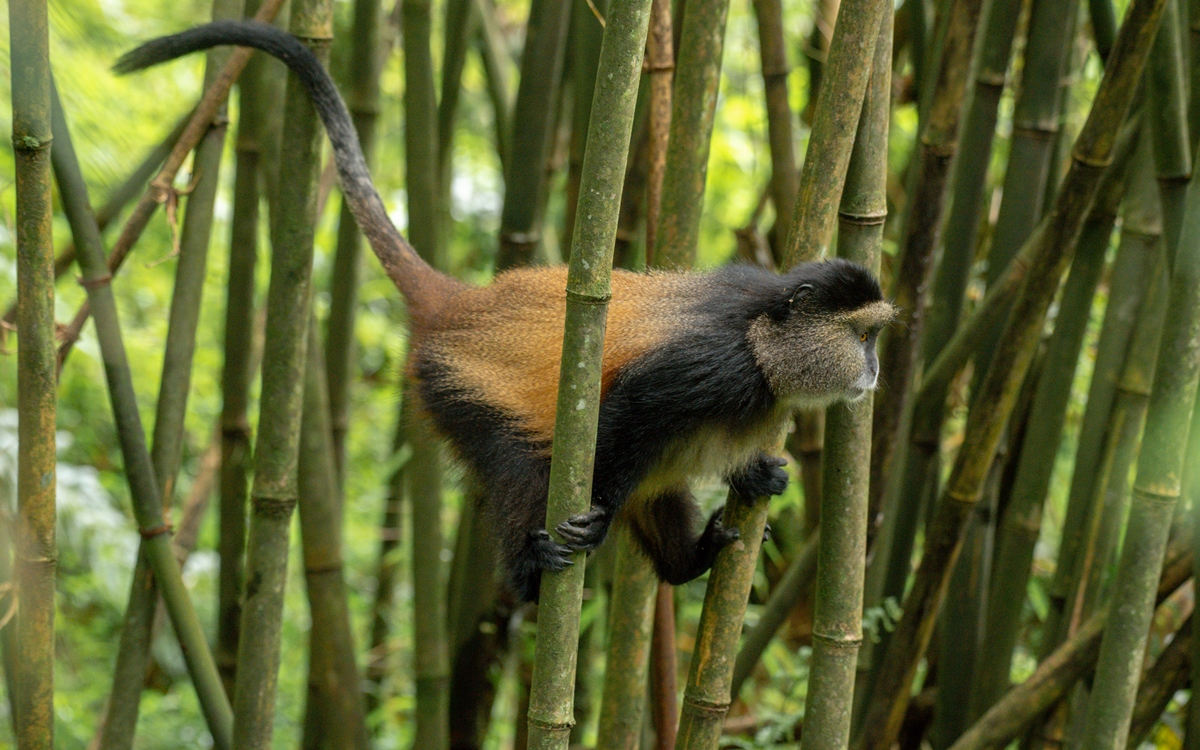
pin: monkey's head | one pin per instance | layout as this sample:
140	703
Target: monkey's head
816	341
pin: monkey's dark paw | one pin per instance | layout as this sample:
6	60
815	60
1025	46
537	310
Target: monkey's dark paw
586	530
547	554
764	477
716	534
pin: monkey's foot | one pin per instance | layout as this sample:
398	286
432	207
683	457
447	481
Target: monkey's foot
586	530
547	554
764	477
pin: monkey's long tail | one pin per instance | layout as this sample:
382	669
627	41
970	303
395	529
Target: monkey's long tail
422	285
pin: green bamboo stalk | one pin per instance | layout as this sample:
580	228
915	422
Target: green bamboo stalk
387	569
533	132
362	99
159	189
1104	25
841	555
588	291
255	96
775	69
1053	245
118	198
693	111
784	596
631	623
846	74
816	52
461	21
1166	86
139	470
1133	272
36	553
334	712
1023	516
938	144
1192	733
584	56
660	64
1156	489
1193	44
133	654
274	492
423	475
1168	676
496	66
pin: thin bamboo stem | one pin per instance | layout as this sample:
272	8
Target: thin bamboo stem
1157	487
496	66
362	97
1167	95
139	470
36	553
584	54
842	549
660	66
1054	243
664	670
588	290
532	142
845	75
274	493
334	712
1168	676
775	69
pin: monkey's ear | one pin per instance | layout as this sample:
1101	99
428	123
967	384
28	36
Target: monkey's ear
801	292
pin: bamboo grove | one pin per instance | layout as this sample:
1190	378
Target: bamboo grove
268	548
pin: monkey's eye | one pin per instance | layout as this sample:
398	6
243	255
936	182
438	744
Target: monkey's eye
863	337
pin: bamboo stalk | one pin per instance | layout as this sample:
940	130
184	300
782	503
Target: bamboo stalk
334	712
139	470
1023	516
496	66
133	655
693	111
664	670
660	64
1166	86
255	97
846	74
631	623
1133	274
1156	489
1168	676
841	555
1060	670
775	69
1104	25
423	475
584	56
532	143
938	144
588	291
274	492
35	548
1052	247
362	99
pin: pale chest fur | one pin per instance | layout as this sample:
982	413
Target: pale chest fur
713	453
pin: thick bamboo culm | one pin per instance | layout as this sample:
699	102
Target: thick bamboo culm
1053	245
275	490
35	558
1167	96
588	291
147	500
842	549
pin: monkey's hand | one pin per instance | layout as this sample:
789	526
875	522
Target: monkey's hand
764	477
586	530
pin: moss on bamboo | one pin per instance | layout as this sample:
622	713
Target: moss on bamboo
36	553
588	290
275	490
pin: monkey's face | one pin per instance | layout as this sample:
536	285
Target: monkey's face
813	359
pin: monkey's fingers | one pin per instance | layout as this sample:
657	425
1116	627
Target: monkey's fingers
586	530
549	554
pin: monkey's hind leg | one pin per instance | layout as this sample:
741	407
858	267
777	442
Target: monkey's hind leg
665	528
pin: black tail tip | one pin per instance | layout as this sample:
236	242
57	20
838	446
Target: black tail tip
134	60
